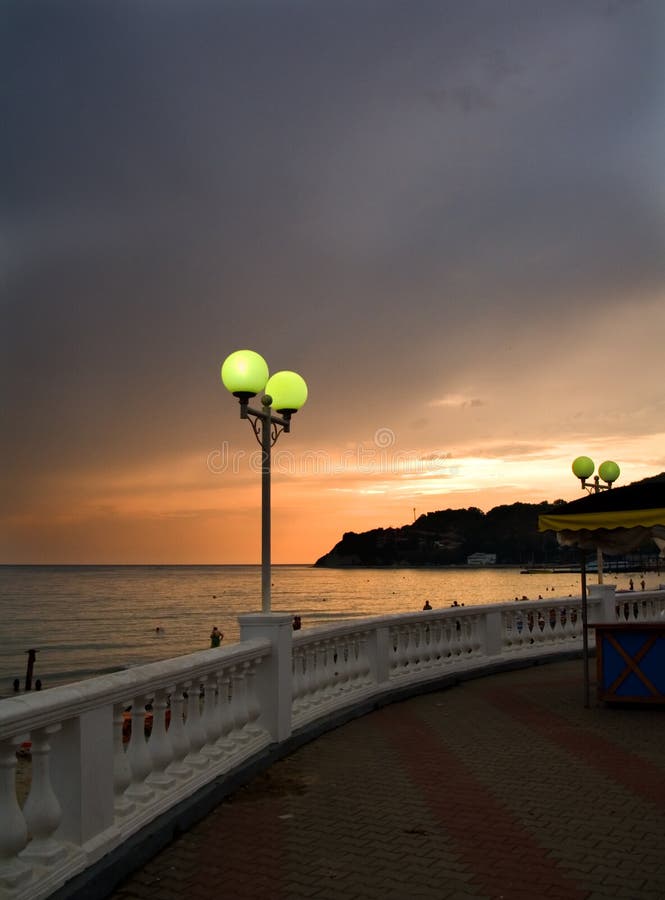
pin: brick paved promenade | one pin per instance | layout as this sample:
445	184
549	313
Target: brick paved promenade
500	787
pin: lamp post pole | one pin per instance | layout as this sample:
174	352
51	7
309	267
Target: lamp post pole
267	428
599	552
266	447
245	374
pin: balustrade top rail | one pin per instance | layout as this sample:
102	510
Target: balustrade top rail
350	626
39	708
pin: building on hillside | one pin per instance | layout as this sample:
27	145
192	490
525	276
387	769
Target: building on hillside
481	559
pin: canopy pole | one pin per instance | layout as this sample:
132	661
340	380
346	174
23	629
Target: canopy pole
585	636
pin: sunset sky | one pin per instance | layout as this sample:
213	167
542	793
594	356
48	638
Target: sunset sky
447	215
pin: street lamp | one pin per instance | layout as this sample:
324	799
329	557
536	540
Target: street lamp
608	471
245	374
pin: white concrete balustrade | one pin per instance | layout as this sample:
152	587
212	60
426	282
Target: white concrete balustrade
111	754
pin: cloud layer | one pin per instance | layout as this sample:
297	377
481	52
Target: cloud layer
449	217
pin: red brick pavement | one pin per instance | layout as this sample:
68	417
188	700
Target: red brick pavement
504	856
504	787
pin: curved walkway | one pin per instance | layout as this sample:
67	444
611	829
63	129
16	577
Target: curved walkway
501	787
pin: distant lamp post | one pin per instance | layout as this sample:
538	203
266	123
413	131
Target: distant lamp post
245	374
608	471
583	469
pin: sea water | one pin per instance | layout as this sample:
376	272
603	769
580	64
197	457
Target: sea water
86	620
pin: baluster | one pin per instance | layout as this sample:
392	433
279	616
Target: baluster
239	705
436	633
476	639
463	636
456	638
509	631
310	675
469	635
238	713
159	745
410	648
332	669
365	667
326	656
447	629
393	651
353	661
402	649
122	773
14	831
362	662
318	673
358	661
42	809
178	734
520	629
298	665
574	623
539	627
308	658
575	615
350	662
415	645
225	712
253	708
343	667
426	652
194	727
567	629
550	626
438	638
423	645
138	755
211	720
445	641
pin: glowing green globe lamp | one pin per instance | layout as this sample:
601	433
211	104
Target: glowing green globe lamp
288	392
244	374
609	471
583	467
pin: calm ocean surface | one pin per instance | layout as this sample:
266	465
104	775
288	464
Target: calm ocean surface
85	620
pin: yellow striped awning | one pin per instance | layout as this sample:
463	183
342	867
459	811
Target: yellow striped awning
620	518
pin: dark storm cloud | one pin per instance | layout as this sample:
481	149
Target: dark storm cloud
341	181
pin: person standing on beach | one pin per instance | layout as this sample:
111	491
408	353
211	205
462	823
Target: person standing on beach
215	637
